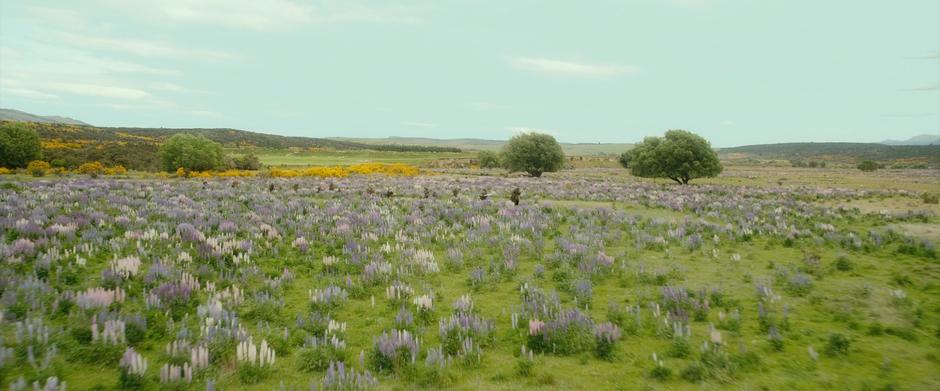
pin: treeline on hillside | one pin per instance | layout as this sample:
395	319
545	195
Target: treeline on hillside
226	137
66	145
834	151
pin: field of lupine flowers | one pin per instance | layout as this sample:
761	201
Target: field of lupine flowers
376	282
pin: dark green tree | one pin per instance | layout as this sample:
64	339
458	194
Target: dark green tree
488	159
19	145
868	166
533	153
191	152
680	155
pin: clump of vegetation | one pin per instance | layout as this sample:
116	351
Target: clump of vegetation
868	166
930	198
837	345
38	168
489	159
191	153
680	155
19	145
533	153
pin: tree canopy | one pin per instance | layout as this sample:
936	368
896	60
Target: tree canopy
19	145
533	153
191	152
488	159
679	155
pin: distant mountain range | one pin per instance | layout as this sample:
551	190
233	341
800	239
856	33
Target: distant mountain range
924	139
16	115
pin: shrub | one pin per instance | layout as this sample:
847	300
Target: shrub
661	372
868	166
319	356
91	168
249	162
694	372
38	168
606	336
488	159
843	264
929	198
837	345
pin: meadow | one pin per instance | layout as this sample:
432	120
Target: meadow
340	158
762	278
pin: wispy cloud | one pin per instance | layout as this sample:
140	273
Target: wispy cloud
545	65
141	47
934	87
267	15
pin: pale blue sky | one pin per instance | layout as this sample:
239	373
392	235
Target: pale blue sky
736	71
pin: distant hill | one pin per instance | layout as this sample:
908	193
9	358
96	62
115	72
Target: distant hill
16	115
924	139
837	152
490	145
137	148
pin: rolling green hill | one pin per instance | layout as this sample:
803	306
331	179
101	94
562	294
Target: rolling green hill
137	148
837	152
16	115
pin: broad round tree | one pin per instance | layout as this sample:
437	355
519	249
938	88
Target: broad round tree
533	153
680	155
19	145
191	152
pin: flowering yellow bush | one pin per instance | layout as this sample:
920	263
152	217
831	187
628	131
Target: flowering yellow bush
116	170
92	168
394	169
38	168
5	171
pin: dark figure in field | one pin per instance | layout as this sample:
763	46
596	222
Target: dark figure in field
271	188
389	194
332	186
484	195
456	192
516	193
428	193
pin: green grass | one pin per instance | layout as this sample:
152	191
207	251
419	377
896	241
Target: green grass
344	158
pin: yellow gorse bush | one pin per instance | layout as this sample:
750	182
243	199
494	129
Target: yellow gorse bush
90	168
